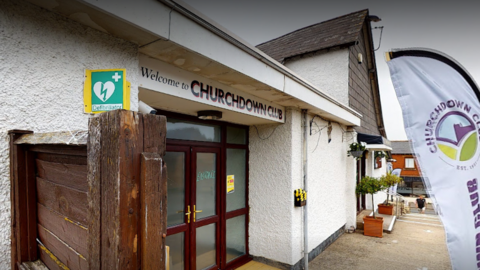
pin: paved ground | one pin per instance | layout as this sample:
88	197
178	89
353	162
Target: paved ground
417	242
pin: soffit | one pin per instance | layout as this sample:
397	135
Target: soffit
159	47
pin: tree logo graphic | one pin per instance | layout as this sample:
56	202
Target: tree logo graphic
456	136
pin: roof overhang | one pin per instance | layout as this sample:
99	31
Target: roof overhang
174	33
375	142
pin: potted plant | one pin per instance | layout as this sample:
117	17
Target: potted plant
373	226
357	149
388	180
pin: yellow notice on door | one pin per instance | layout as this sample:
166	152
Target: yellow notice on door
230	184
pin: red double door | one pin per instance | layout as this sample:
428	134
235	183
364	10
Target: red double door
201	233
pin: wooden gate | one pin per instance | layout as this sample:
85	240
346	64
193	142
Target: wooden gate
80	199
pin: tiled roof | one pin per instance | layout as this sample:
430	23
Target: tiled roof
335	32
401	147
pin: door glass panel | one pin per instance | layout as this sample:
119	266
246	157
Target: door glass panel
236	187
235	237
206	184
206	246
236	135
183	130
175	187
177	251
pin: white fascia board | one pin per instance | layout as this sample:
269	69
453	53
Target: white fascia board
150	15
161	20
378	147
306	95
191	35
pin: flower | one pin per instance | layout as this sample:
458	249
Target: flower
356	149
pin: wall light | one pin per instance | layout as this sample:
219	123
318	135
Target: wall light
360	58
209	115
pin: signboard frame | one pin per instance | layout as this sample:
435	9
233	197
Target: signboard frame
89	92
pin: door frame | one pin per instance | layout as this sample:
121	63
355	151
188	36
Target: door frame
222	198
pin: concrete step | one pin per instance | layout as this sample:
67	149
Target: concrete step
433	220
360	218
388	220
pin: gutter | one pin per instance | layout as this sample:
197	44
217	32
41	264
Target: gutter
178	6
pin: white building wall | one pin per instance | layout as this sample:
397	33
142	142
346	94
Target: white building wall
276	226
43	58
380	196
331	182
274	172
327	70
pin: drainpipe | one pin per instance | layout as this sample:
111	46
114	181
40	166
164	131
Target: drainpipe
305	185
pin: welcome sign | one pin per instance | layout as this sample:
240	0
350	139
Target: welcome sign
164	78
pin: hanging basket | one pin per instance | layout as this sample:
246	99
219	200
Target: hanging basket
356	154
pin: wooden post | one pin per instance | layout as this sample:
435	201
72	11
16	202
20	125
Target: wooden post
114	178
127	191
94	192
19	220
153	200
153	190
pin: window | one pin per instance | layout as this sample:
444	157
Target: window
409	163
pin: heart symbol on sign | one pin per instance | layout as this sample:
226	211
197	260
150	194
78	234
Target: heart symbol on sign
104	90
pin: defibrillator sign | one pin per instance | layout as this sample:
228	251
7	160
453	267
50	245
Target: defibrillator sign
106	90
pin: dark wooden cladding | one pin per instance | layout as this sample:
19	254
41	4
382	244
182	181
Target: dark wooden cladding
64	159
70	232
51	263
94	193
152	224
60	149
19	244
70	175
31	204
66	201
21	221
84	200
60	250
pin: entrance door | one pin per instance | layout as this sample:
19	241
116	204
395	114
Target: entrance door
193	207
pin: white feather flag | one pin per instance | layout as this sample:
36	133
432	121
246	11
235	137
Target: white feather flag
441	113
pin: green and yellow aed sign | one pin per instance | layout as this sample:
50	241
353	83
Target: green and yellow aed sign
106	90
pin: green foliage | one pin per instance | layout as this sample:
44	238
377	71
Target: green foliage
369	185
356	147
390	179
380	154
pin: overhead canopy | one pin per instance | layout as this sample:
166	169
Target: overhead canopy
375	142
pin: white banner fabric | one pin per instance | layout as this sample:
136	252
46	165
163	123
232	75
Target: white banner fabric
441	114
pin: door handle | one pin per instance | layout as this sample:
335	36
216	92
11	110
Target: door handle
195	211
188	214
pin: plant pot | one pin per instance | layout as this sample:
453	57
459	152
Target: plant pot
385	209
356	154
373	226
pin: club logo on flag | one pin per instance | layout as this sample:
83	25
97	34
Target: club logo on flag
456	136
451	131
445	140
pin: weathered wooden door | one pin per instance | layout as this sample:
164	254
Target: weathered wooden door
85	206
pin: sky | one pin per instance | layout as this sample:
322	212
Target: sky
452	27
